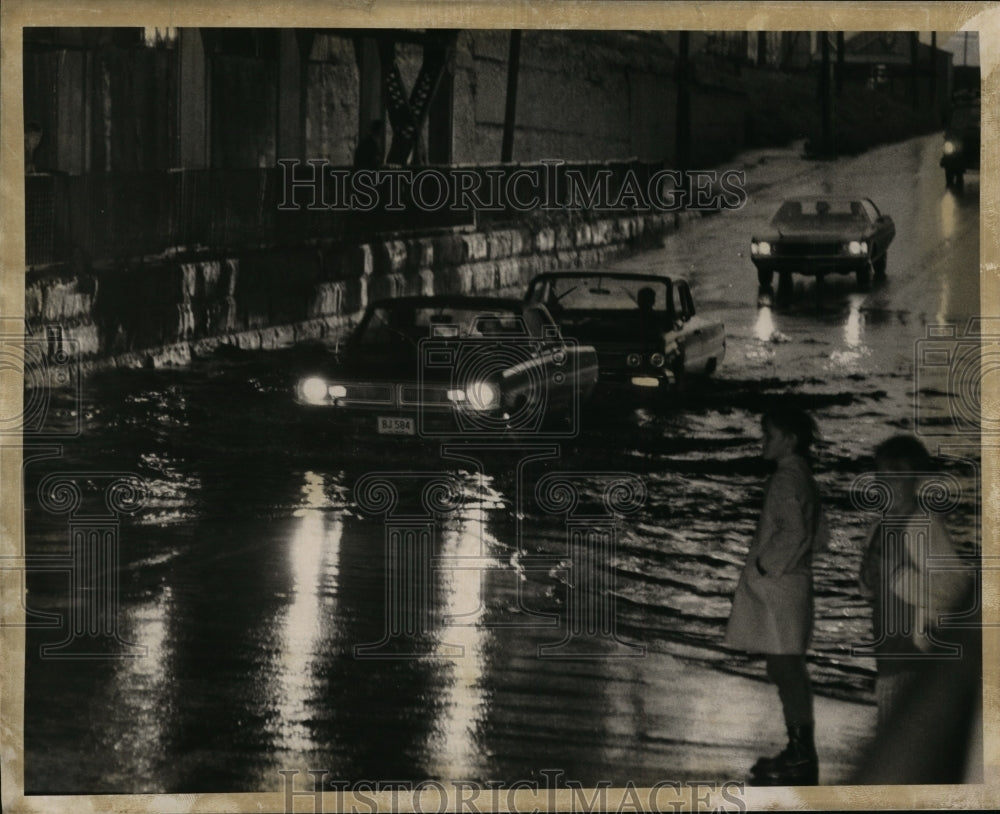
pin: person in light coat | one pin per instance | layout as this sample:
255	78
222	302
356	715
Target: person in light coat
772	609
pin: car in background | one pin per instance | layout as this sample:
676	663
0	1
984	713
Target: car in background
819	235
960	151
453	366
644	326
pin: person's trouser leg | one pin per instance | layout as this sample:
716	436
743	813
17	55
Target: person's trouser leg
791	677
797	764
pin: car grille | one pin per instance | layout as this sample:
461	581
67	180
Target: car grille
411	396
807	249
395	395
369	394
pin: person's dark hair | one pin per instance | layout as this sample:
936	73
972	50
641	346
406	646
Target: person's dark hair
645	298
905	451
795	422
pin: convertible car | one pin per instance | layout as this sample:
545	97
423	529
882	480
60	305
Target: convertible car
821	235
454	366
643	326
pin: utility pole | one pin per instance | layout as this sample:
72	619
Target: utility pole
933	77
840	62
683	131
510	112
826	102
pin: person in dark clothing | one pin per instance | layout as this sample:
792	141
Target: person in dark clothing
650	323
370	151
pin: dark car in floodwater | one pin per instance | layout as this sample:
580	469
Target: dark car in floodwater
819	235
960	151
453	366
644	326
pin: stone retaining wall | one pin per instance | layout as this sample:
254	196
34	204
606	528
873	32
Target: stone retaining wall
165	312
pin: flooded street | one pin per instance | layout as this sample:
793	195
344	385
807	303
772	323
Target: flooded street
265	578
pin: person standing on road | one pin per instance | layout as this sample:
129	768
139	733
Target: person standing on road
772	609
370	152
896	578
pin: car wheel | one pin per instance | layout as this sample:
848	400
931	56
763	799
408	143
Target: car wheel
879	266
765	277
864	277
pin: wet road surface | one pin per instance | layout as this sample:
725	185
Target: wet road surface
255	568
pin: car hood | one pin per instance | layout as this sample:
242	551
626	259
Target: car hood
403	365
817	233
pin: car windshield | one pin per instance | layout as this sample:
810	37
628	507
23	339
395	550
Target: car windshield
820	212
396	323
597	293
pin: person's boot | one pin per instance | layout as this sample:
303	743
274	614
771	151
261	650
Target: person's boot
797	765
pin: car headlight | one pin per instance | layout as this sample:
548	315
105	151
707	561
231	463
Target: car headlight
657	360
858	247
482	396
313	390
763	248
754	248
951	147
456	395
633	360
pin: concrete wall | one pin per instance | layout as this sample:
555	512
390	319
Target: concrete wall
332	100
581	95
163	313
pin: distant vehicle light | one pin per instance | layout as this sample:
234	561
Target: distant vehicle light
482	396
657	360
753	248
313	390
764	248
950	147
856	247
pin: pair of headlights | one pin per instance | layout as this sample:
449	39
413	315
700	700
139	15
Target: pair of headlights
477	395
655	359
761	248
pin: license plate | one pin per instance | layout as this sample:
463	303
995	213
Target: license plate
390	425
